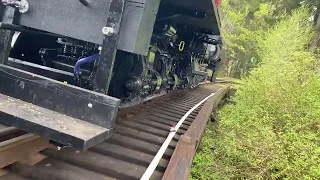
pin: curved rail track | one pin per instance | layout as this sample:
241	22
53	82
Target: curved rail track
138	135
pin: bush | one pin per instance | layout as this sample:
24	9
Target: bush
273	130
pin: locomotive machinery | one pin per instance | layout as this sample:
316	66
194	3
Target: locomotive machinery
66	66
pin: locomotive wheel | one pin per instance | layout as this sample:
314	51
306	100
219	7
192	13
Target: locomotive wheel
126	66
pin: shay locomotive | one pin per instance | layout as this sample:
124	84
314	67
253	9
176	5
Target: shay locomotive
84	58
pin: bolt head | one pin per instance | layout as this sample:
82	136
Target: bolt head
107	31
90	105
24	6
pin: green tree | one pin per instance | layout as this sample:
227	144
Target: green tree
244	23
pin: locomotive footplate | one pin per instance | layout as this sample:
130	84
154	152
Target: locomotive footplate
65	114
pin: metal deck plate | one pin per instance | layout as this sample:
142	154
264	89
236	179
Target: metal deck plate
55	126
63	113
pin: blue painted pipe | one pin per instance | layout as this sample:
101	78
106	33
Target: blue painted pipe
77	69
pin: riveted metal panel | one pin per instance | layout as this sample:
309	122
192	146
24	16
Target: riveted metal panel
68	17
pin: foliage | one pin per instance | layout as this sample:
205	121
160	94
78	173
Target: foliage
244	23
273	129
242	26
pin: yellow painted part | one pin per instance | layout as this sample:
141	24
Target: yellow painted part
181	45
151	57
159	81
173	30
210	72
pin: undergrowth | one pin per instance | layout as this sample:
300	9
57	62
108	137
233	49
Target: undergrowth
273	129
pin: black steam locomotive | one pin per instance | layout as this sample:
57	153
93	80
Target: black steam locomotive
79	58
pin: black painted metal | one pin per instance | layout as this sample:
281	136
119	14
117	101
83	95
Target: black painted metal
84	2
59	128
210	23
52	73
105	64
6	35
63	113
57	100
2	7
202	5
19	28
68	17
72	101
137	25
